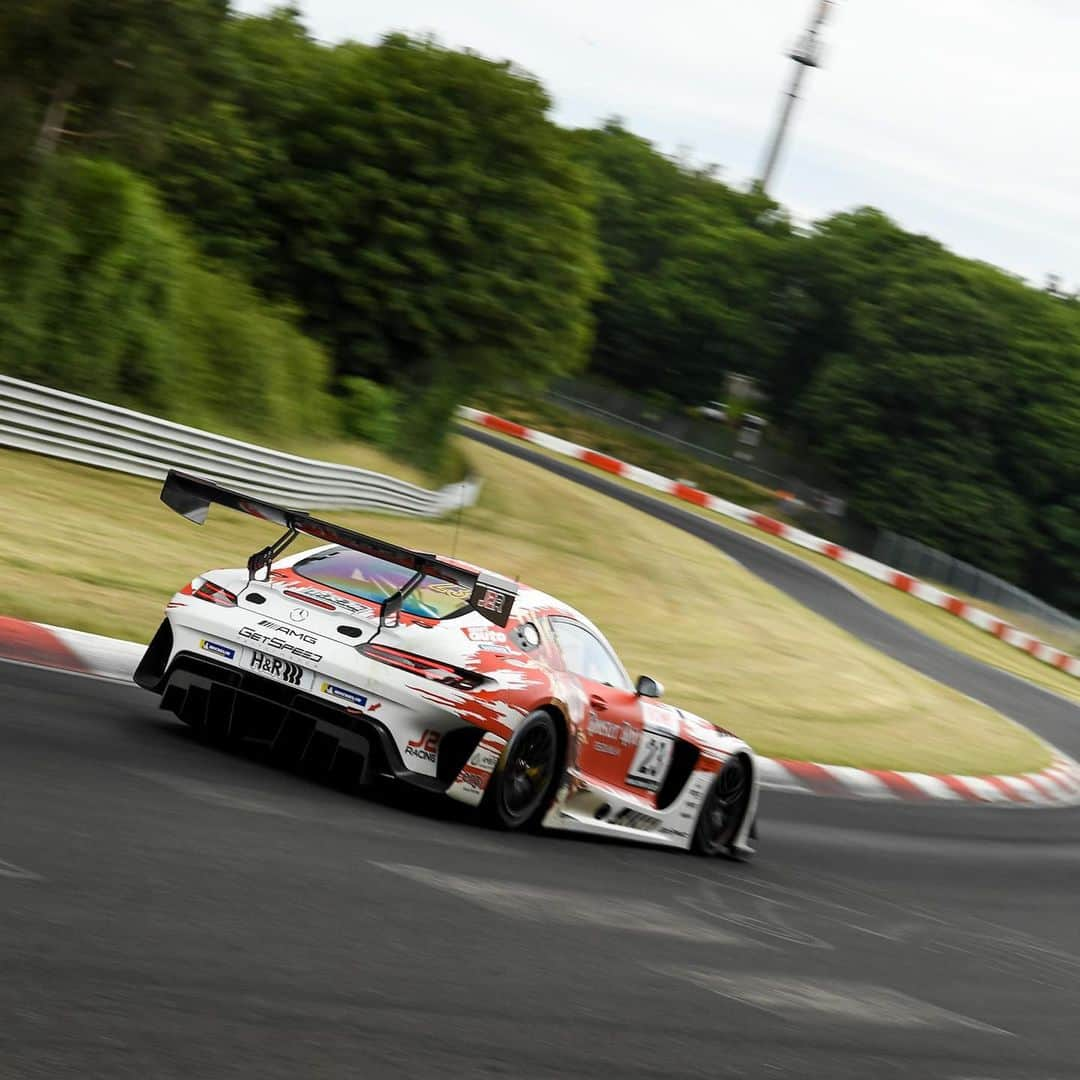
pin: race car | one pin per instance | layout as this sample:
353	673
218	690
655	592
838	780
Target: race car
365	659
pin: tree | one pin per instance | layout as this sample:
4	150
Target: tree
423	211
101	71
692	269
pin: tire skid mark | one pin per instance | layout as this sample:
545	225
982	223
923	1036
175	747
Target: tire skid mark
601	911
802	999
12	872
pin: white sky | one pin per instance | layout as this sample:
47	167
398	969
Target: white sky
953	116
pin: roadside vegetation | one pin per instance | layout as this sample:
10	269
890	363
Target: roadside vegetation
220	218
98	551
641	450
935	623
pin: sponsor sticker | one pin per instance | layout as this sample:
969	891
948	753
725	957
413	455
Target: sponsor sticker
486	634
449	588
472	778
634	819
493	600
426	747
273	640
279	668
217	650
623	734
486	760
351	696
667	830
334	600
289	631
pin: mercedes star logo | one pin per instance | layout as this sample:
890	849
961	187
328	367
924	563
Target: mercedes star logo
298	614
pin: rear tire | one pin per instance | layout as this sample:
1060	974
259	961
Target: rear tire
724	808
522	784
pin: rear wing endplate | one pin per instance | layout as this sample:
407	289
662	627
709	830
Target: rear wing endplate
490	595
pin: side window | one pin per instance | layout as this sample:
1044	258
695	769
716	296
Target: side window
586	655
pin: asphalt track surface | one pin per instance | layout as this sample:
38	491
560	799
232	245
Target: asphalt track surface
173	909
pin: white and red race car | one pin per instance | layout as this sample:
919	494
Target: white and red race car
369	659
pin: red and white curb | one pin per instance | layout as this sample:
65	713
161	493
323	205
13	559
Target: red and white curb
1057	785
921	590
68	650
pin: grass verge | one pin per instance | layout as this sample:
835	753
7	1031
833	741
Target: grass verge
935	623
97	551
619	442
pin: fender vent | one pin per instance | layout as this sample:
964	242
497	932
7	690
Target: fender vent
455	748
683	759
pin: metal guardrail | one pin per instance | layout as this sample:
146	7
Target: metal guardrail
62	425
920	560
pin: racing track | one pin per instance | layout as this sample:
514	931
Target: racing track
168	909
1053	717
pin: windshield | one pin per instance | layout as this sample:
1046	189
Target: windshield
371	578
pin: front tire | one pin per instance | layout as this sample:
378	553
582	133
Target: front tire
520	789
724	808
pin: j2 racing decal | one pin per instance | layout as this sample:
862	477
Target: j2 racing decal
351	696
426	747
280	669
219	650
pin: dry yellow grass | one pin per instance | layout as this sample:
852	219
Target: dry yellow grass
932	621
97	551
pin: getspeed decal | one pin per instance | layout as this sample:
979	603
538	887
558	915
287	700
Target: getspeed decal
218	650
278	643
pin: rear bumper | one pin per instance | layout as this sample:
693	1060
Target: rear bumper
293	725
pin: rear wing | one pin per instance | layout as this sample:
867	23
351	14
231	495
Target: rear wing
489	595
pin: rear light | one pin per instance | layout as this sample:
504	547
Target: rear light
434	670
215	594
304	599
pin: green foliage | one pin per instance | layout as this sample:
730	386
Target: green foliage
946	395
370	411
417	204
108	74
415	210
102	294
692	265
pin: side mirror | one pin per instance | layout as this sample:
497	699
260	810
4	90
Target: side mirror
647	686
390	611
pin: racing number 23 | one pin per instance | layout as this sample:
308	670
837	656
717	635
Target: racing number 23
651	761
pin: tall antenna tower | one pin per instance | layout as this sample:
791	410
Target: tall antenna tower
806	54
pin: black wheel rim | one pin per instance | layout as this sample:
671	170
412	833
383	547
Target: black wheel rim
727	802
528	772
